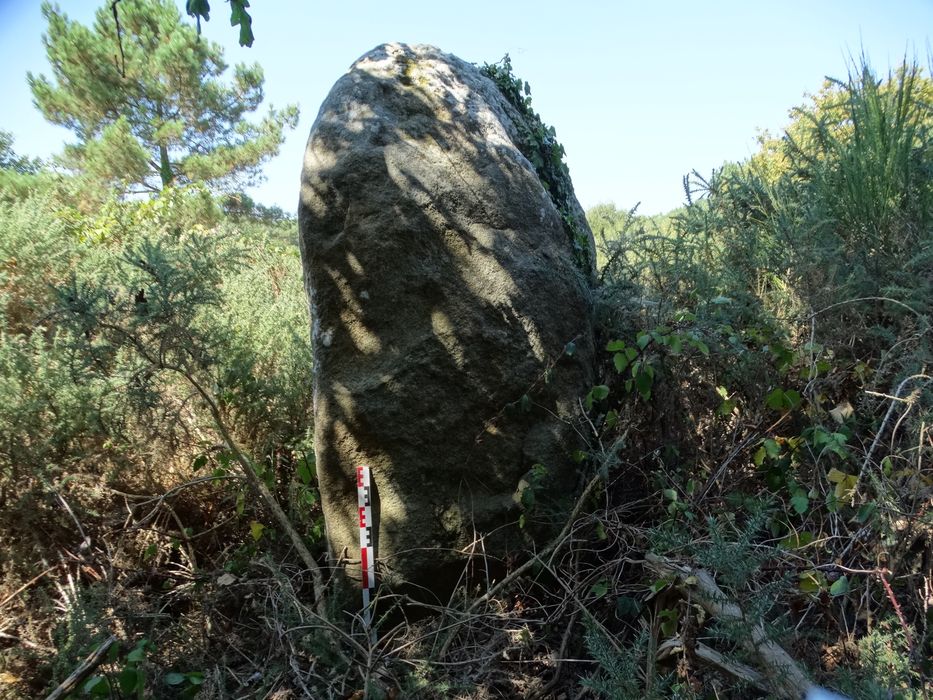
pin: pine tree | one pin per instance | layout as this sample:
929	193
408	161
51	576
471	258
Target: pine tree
146	98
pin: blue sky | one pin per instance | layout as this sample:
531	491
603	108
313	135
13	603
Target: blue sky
640	92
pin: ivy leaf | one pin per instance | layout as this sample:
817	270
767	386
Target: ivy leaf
644	381
620	361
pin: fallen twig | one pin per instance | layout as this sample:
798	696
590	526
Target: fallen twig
27	585
83	670
711	656
786	677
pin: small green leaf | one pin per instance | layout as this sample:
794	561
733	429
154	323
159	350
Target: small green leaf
866	512
525	403
726	407
643	340
775	400
198	8
669	619
615	346
174	678
887	466
195	678
845	483
256	529
600	588
800	501
601	531
759	457
620	361
96	685
812	581
304	472
840	586
198	462
644	380
599	392
128	679
239	15
772	448
137	653
796	540
570	348
578	456
612	417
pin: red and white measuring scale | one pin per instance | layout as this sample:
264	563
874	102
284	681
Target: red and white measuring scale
367	558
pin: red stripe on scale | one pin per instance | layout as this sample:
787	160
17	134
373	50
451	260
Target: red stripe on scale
367	555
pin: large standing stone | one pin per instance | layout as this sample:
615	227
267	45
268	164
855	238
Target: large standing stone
443	292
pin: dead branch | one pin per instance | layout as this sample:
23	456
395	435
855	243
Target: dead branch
785	676
83	670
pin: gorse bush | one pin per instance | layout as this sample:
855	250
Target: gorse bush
775	336
104	317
